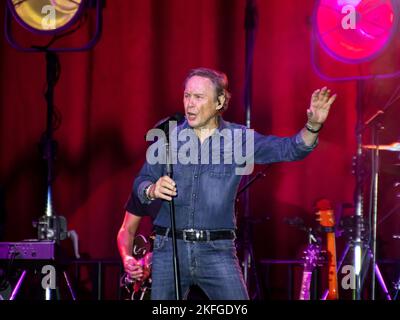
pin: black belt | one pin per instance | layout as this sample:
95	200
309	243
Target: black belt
197	235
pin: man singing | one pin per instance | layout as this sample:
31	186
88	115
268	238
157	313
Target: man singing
204	187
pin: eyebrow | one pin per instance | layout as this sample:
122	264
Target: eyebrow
195	94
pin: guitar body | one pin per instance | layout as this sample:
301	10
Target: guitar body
139	290
327	222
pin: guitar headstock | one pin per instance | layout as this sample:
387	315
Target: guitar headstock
312	257
325	212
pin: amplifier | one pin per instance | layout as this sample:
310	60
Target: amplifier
28	250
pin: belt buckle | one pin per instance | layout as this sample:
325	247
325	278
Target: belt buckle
184	233
198	234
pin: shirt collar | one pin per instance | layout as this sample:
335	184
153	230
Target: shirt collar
222	124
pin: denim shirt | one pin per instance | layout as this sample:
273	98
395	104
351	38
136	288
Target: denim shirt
206	192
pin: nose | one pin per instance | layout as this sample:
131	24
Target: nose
189	104
189	100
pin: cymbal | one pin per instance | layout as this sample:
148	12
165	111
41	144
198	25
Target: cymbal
395	146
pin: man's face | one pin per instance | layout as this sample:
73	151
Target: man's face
201	105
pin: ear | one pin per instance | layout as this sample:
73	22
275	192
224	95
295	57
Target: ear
220	101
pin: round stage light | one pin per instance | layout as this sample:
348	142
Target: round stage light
355	31
46	16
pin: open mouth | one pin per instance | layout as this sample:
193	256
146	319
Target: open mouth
191	116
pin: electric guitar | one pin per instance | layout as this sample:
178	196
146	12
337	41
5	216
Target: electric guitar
142	250
311	260
327	221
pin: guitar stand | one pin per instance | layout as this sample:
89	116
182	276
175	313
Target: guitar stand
377	270
49	293
378	275
397	288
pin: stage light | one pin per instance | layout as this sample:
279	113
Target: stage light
355	31
46	16
53	18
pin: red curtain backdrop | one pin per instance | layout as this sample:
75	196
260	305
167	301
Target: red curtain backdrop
109	97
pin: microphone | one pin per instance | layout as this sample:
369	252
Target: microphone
163	124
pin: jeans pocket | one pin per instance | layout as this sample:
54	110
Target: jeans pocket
159	242
222	244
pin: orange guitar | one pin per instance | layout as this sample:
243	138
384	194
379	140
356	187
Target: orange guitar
327	221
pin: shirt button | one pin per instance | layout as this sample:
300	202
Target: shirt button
195	176
194	195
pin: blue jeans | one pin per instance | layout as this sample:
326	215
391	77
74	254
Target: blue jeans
211	265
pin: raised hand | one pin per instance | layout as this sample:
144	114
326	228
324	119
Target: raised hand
321	101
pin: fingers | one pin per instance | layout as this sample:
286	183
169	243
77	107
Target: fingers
136	273
315	95
332	99
165	188
166	191
322	98
320	95
168	181
133	268
324	94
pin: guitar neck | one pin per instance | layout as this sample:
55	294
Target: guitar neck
332	269
305	285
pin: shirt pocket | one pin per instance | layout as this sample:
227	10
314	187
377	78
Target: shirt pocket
220	170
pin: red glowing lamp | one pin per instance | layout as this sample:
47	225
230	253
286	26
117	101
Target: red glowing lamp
354	31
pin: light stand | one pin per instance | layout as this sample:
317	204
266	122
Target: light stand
358	197
250	28
50	226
